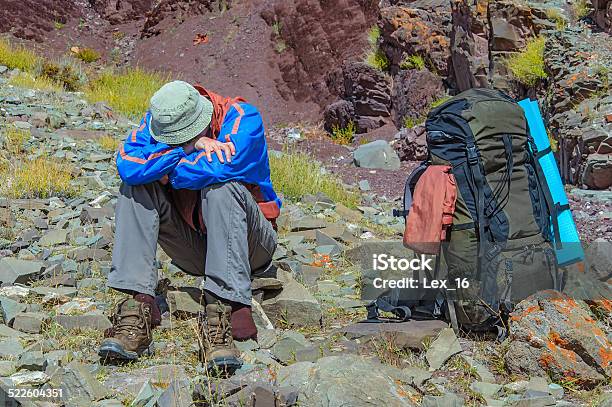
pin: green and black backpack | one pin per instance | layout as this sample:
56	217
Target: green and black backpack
501	232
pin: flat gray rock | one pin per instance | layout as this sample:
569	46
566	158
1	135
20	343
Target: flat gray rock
54	237
10	348
182	304
78	385
95	321
32	360
8	332
288	344
376	155
347	380
132	382
446	400
441	349
30	322
295	305
18	271
410	334
9	308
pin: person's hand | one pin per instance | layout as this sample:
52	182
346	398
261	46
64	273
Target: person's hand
210	146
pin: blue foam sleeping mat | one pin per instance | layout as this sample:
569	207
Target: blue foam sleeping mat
568	249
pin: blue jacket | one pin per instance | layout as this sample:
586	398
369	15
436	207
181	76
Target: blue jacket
142	160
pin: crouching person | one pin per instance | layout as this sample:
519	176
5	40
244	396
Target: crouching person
196	180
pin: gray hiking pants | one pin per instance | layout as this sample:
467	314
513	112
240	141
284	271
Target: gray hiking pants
239	241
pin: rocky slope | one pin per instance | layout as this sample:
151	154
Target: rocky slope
55	255
302	60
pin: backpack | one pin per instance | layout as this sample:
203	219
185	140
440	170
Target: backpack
501	228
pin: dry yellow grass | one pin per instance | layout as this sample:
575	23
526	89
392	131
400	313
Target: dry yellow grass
87	55
298	174
14	140
109	143
127	92
17	57
26	80
38	178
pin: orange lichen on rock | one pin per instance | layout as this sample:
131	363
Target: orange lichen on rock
322	260
565	353
547	361
556	339
526	311
605	353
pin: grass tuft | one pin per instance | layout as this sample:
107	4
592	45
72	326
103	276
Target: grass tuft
554	15
87	55
376	58
373	36
26	80
17	57
280	46
109	143
582	8
527	66
439	102
127	92
65	74
343	135
39	178
410	122
297	174
14	140
413	62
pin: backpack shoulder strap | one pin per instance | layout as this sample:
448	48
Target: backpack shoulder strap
411	181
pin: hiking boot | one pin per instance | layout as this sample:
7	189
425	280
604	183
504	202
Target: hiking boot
218	353
130	336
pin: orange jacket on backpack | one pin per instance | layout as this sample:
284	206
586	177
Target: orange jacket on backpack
431	213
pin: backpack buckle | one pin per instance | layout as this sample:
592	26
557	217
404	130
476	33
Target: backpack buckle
472	155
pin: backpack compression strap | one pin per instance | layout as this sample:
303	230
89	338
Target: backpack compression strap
401	312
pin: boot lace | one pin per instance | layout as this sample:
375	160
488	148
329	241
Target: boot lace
129	322
219	334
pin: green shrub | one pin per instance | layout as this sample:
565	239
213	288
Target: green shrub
65	75
343	135
17	57
410	122
276	28
87	55
58	25
298	174
127	92
413	62
377	59
527	66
